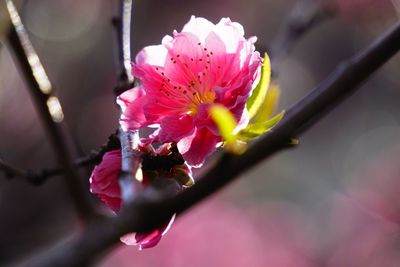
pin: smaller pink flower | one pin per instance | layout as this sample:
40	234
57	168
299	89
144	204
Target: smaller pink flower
203	65
104	183
104	180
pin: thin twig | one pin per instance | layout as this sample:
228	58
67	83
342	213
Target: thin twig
122	25
129	139
146	214
304	16
48	107
131	161
10	171
41	176
35	178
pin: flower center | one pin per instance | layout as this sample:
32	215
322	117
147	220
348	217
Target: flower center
199	88
207	98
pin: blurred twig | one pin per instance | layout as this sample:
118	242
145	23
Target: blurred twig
35	178
304	16
48	106
10	171
122	25
39	177
145	214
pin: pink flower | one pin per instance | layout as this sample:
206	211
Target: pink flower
104	180
181	78
104	183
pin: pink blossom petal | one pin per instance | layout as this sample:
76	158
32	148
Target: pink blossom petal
132	102
149	239
173	128
197	147
203	64
155	111
152	55
201	27
203	119
231	34
186	58
104	179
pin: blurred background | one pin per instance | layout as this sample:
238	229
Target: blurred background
332	201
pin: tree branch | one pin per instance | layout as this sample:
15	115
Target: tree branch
122	25
41	176
48	107
10	171
145	213
129	140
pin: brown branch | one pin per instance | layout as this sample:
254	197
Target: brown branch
35	178
41	176
145	213
48	107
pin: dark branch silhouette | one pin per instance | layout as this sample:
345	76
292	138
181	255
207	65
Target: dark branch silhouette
303	17
148	210
39	177
48	107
